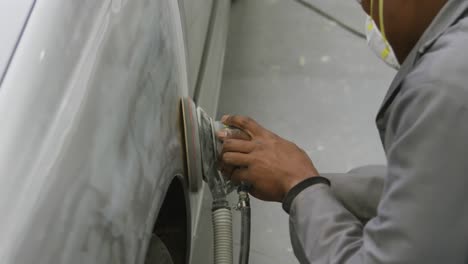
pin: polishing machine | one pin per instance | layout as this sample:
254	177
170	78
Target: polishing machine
203	150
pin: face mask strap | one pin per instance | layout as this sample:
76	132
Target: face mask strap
376	36
381	16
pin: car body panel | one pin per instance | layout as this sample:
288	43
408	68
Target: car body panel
197	22
210	77
13	17
90	130
209	81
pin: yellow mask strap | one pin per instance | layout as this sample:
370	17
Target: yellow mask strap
381	16
386	52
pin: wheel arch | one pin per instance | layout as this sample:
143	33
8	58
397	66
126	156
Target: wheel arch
173	221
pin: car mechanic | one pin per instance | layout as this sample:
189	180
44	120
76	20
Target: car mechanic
413	210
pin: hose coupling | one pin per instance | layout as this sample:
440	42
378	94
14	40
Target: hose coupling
244	200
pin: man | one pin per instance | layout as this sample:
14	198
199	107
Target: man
415	210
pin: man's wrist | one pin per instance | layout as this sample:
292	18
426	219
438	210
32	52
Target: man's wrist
295	180
299	187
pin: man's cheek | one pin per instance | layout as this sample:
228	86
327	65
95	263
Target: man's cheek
366	6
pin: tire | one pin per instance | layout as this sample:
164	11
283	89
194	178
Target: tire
158	252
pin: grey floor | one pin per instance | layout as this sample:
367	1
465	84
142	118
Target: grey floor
309	81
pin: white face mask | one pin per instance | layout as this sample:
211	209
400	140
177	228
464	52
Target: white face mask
378	42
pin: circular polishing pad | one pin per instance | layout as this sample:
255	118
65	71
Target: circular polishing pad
192	144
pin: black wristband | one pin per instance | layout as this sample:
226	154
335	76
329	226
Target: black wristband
289	198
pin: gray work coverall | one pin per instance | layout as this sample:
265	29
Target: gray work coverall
415	210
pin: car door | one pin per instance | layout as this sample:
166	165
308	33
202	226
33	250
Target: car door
197	18
90	135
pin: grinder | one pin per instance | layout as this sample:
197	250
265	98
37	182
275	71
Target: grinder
202	151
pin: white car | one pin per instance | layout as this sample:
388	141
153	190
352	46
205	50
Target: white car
92	163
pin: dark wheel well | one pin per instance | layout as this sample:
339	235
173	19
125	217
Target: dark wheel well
173	223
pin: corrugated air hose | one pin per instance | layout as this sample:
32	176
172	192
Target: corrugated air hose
222	231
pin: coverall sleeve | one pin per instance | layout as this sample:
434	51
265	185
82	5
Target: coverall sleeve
422	216
359	190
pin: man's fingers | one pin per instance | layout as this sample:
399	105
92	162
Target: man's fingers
245	123
236	145
227	170
236	159
240	175
232	133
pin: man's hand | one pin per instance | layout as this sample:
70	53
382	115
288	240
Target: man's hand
271	164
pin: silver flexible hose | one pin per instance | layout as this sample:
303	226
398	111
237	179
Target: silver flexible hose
222	230
244	207
245	236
